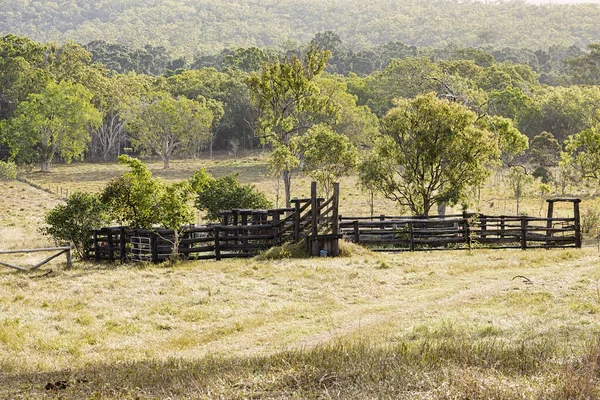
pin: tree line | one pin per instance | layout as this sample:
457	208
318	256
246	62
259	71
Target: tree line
422	130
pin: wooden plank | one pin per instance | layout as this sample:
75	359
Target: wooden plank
34	250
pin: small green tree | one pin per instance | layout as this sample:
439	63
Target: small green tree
139	200
582	151
520	182
226	193
133	198
289	102
327	155
76	221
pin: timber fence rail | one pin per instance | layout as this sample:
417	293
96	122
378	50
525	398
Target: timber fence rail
461	232
58	251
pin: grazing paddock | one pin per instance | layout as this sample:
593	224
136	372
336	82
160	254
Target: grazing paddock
435	323
430	325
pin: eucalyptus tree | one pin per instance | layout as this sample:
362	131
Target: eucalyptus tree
430	151
164	125
53	122
289	103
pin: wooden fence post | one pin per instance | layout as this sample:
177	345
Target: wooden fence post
123	245
154	247
466	230
69	258
524	223
217	244
576	216
411	236
549	222
356	232
314	209
502	226
335	222
275	229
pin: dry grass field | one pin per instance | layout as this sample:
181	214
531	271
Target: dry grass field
426	325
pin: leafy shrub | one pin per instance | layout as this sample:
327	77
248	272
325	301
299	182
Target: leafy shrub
76	220
139	200
8	170
226	193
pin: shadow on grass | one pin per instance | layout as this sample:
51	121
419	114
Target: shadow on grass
435	369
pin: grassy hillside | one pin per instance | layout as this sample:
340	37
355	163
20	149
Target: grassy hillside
189	27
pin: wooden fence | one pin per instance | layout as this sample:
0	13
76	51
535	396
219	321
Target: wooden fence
314	220
57	250
463	231
240	233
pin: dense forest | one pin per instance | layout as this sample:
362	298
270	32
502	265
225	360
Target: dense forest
190	27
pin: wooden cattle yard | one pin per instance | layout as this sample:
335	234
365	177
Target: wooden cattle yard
314	220
240	233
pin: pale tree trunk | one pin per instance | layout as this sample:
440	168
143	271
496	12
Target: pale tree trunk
287	185
441	208
44	165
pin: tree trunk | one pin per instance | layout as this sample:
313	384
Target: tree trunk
441	207
44	165
166	163
287	185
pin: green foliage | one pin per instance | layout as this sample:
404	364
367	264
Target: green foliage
511	142
545	150
586	69
8	170
188	28
582	151
76	220
52	122
430	152
200	180
289	102
164	125
139	200
226	193
327	156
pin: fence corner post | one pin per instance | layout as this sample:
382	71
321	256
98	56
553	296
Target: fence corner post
69	257
335	221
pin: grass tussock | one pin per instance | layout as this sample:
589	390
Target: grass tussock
288	250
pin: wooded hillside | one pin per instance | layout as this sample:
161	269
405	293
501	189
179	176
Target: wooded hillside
189	27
